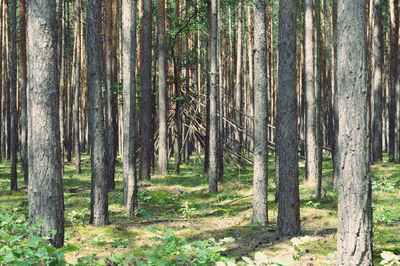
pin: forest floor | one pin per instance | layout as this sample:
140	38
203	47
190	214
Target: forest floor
182	203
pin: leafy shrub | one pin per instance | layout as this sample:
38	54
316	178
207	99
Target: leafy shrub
389	258
21	245
384	216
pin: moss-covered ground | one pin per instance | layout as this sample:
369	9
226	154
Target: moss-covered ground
182	202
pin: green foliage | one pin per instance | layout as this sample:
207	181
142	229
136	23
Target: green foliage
312	204
21	245
169	249
75	217
383	185
186	210
384	216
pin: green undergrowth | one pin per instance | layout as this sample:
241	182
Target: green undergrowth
178	208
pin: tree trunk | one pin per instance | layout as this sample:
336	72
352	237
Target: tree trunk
147	94
354	243
108	96
286	123
213	146
99	197
77	85
45	192
376	128
13	99
260	178
129	105
162	91
394	36
238	85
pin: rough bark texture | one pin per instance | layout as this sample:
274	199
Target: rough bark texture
260	178
376	128
147	94
129	97
13	99
213	147
162	91
286	123
394	36
45	190
99	197
23	118
354	245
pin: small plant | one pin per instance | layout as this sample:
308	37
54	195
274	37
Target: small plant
312	204
145	213
98	240
169	249
75	217
297	250
186	210
383	185
389	258
384	216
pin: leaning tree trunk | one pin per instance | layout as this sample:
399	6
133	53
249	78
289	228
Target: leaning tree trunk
260	179
162	91
129	102
13	99
99	197
147	94
376	128
45	192
286	123
354	245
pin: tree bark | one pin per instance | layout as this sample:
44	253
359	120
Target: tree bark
213	146
286	123
129	102
354	243
146	118
99	197
77	85
162	91
13	99
394	37
260	177
45	190
376	128
238	84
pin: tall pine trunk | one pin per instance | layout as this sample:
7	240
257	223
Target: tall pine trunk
45	192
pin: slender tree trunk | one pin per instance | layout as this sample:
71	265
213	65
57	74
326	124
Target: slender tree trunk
45	190
108	96
146	118
129	97
394	36
2	55
286	123
354	210
162	91
238	85
376	128
260	178
99	197
77	85
13	99
213	152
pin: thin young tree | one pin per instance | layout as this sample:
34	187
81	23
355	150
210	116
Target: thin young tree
260	178
77	84
147	93
128	9
213	141
99	197
13	98
376	127
23	110
45	191
238	84
354	244
286	123
162	90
